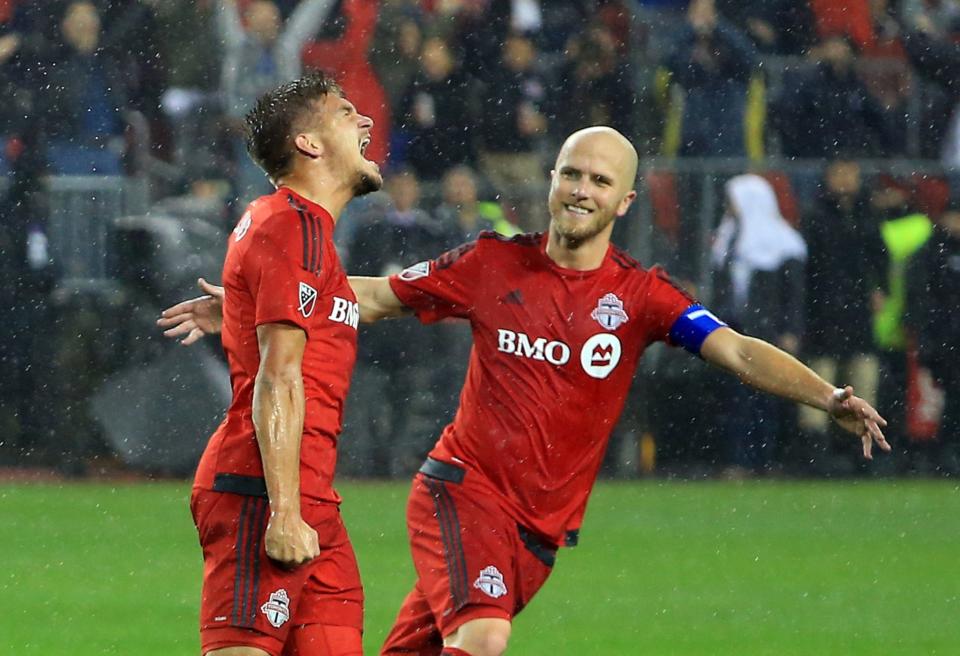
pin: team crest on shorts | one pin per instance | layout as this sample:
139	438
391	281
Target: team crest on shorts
308	299
609	312
277	608
415	272
490	582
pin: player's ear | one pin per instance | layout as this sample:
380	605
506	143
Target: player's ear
625	202
308	145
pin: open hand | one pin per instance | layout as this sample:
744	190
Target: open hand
855	415
194	318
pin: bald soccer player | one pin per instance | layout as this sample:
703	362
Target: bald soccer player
559	323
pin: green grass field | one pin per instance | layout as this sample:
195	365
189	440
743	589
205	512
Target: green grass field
663	568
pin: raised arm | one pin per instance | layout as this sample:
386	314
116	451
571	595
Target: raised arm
278	409
303	24
768	369
376	299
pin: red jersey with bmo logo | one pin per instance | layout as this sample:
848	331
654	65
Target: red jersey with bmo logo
554	353
281	267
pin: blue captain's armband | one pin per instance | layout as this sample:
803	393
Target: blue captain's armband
693	327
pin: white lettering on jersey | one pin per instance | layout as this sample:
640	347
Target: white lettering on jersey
345	311
307	300
600	355
540	349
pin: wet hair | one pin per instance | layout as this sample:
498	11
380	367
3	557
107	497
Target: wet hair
271	123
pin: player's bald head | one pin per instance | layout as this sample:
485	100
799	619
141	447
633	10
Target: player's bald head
602	139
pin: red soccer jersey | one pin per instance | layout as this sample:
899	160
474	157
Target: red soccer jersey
281	267
554	353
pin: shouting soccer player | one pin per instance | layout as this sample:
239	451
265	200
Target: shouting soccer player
559	323
280	574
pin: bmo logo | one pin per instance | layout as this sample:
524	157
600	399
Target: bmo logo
345	311
600	355
520	345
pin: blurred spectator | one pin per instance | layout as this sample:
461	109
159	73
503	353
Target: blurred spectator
395	53
343	50
850	19
435	114
827	109
87	92
712	61
512	123
28	274
463	215
932	300
397	393
904	232
759	260
843	287
779	27
594	86
260	53
940	17
937	59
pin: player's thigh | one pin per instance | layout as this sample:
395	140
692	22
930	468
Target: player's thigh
332	594
324	640
464	550
481	637
237	651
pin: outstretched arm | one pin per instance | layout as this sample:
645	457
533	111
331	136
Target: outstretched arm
767	368
376	299
194	318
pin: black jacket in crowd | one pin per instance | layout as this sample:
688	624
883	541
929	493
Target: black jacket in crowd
847	262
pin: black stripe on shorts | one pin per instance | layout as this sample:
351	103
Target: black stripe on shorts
452	545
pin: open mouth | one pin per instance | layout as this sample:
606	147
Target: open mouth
576	209
363	145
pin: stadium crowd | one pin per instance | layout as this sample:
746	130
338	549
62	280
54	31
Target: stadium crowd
469	98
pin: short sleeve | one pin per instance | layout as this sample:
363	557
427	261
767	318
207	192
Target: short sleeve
664	302
440	288
281	268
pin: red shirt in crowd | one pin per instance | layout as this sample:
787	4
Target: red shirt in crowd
554	353
281	267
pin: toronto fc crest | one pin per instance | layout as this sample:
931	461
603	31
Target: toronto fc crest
609	312
491	582
277	608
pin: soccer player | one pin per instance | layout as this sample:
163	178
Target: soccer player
559	323
280	575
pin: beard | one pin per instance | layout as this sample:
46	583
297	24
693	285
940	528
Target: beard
366	183
575	235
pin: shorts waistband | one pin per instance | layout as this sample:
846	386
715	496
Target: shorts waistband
248	486
442	471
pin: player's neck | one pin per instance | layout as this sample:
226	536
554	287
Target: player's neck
584	255
322	190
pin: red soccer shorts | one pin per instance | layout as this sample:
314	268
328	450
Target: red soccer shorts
248	600
472	561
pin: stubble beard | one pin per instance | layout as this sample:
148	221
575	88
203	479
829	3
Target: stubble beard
366	183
